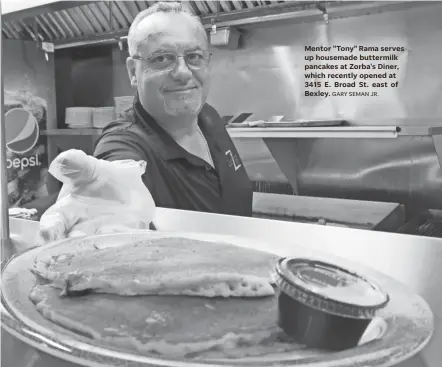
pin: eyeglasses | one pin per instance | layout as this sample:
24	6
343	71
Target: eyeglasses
195	60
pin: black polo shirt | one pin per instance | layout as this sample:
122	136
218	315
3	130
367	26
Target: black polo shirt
175	178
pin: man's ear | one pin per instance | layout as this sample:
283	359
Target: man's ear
130	66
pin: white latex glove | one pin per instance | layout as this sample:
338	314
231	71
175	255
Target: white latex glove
97	197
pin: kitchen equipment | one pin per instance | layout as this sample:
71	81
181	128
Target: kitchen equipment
427	223
226	119
241	118
369	215
102	116
287	123
22	213
305	123
79	117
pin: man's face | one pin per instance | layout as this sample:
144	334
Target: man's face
181	91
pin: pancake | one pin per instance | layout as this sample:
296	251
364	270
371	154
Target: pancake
173	297
167	266
170	326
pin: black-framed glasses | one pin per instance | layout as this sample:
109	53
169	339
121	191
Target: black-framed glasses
166	61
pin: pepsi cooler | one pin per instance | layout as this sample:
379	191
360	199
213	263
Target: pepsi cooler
26	160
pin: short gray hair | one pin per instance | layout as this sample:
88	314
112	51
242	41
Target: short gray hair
160	7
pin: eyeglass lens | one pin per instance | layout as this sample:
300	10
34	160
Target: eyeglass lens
167	61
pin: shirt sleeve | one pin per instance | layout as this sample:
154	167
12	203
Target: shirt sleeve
117	146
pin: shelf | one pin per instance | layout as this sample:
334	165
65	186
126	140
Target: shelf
351	132
387	132
72	132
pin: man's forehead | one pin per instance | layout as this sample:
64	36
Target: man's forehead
170	28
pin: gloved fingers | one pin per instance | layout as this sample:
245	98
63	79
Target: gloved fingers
73	165
59	219
52	227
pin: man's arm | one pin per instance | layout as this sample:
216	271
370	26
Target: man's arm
119	145
122	145
112	146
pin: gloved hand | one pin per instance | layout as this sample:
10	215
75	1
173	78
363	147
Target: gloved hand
97	197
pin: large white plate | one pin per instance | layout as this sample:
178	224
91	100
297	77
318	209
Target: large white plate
407	321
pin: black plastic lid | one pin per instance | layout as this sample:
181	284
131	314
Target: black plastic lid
329	288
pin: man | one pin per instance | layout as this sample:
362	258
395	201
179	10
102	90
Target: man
192	163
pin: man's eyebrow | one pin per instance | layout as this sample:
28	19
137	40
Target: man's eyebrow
162	50
170	48
195	48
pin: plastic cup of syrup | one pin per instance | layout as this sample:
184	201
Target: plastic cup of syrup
324	306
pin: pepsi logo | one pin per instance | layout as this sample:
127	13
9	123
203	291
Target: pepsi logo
21	130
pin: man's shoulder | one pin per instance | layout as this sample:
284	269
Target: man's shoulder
124	135
126	127
125	123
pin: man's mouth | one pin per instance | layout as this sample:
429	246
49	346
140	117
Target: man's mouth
180	89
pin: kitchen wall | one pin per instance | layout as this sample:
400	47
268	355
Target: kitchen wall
268	71
28	84
265	75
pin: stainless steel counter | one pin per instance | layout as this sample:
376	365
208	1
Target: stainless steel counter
415	261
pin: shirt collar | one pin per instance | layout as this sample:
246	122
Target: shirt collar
165	144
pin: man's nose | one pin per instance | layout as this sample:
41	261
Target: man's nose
181	71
